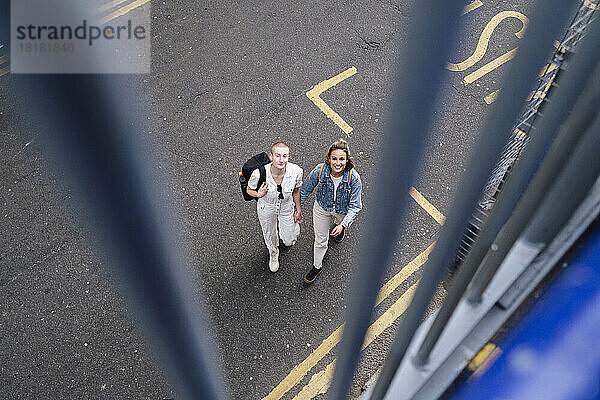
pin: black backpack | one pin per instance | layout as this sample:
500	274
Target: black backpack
258	161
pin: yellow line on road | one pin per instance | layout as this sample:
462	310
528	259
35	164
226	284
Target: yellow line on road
492	65
4	71
472	6
403	275
108	6
300	371
321	380
318	383
123	11
520	134
484	39
591	5
490	98
427	206
548	68
390	315
314	93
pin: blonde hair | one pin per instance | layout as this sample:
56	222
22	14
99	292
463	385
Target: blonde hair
341	144
279	144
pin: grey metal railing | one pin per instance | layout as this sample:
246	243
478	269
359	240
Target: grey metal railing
557	112
575	146
418	86
523	127
546	22
118	191
97	147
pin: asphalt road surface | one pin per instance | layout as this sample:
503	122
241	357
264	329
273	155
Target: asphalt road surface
227	81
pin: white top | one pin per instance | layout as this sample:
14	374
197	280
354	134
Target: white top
291	180
336	183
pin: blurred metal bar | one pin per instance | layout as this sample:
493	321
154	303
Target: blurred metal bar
99	152
80	117
578	176
429	44
535	194
547	22
582	68
527	120
555	113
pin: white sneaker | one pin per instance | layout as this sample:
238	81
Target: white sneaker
274	262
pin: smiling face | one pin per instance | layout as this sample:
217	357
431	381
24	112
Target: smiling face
337	160
280	155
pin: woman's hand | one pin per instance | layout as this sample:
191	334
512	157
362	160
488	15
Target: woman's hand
335	232
298	215
262	190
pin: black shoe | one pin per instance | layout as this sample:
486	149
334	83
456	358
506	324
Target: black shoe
341	236
312	275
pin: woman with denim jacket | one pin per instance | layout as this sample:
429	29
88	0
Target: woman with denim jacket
338	200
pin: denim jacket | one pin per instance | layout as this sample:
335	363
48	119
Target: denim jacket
348	197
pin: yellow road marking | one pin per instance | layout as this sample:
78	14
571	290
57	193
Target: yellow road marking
314	93
427	206
548	68
542	93
389	316
490	98
108	6
318	383
401	276
4	71
323	378
484	39
123	11
492	65
472	6
520	134
300	371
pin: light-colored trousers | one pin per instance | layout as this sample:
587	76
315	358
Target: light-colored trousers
269	215
321	222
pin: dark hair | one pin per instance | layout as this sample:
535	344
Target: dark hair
341	144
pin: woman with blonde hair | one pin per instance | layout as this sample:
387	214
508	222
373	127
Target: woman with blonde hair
338	200
278	205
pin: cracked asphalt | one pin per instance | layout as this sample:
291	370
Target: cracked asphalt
227	81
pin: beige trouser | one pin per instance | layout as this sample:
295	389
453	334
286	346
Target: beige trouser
269	215
321	222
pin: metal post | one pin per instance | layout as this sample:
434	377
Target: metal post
556	112
111	176
577	178
429	43
582	66
547	21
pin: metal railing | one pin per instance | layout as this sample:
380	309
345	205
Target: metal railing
543	210
524	126
117	190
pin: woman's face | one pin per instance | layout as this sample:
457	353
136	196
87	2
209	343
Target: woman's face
280	156
337	160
